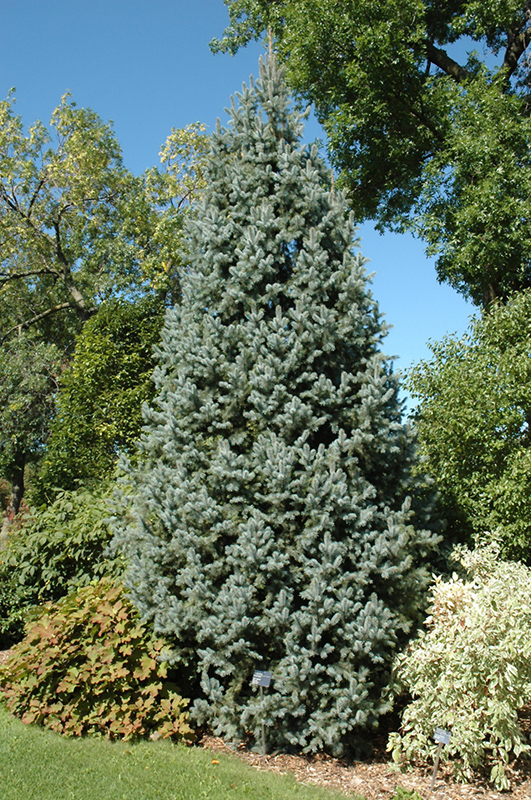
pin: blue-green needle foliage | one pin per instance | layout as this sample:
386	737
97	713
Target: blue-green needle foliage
269	525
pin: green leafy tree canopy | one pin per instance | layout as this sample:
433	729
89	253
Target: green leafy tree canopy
426	107
29	377
66	221
473	418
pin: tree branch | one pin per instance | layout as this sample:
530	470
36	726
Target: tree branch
22	326
10	276
79	300
518	42
14	206
35	193
59	248
11	202
29	322
442	60
77	297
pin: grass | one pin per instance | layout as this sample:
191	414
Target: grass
41	765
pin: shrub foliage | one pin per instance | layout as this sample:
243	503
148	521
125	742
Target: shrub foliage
470	670
56	549
88	666
101	394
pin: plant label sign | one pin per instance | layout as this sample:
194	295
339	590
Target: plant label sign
261	678
441	736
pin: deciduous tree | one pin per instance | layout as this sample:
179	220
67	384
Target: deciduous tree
426	108
67	223
473	417
79	232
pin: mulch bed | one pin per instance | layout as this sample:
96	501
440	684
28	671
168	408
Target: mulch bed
374	778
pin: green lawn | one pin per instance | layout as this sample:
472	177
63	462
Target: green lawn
39	765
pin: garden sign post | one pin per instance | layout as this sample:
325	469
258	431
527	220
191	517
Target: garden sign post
261	679
442	737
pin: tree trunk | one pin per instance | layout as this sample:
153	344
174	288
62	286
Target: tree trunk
489	296
17	491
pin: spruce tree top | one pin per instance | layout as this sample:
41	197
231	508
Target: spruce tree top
273	282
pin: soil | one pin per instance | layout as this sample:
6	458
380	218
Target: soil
374	778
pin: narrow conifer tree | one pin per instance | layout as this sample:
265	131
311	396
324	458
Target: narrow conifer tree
268	523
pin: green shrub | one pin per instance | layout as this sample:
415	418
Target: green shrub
86	665
56	549
100	397
63	545
470	670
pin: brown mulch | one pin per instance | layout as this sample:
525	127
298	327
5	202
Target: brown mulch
373	778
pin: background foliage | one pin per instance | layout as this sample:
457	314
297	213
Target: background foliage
99	404
29	376
69	220
50	552
81	235
425	106
473	418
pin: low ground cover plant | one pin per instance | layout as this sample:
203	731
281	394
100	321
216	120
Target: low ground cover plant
87	665
469	671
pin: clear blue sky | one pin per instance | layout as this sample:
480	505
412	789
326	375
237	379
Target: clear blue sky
146	65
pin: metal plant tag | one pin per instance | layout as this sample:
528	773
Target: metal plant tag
261	678
441	736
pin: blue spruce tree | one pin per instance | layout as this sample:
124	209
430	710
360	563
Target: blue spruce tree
268	524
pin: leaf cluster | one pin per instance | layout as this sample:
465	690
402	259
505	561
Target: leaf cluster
469	671
473	206
87	665
172	191
402	793
101	393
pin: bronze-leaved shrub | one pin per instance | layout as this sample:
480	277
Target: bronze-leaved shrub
87	665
